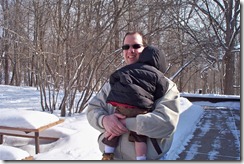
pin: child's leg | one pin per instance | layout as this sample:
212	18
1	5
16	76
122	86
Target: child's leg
141	150
109	148
110	145
140	145
108	153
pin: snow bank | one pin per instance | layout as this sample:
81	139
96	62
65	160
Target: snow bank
12	153
189	116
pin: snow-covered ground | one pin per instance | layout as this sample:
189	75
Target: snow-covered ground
78	140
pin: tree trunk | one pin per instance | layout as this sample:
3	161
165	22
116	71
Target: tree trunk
229	72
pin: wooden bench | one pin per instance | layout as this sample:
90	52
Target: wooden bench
11	131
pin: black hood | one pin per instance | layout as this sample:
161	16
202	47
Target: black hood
152	56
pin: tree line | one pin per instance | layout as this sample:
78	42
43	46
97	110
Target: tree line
68	48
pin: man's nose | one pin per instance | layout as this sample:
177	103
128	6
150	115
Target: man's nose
131	49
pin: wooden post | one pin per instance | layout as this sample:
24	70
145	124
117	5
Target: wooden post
37	143
1	138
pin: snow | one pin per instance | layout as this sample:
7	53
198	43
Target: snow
211	95
10	153
185	127
77	139
25	118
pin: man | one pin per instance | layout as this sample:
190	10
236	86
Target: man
158	125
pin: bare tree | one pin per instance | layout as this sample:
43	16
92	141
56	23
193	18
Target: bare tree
5	40
68	49
226	26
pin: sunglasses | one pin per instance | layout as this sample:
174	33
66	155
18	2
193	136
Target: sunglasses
134	46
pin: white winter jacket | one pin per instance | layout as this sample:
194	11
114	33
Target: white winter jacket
159	125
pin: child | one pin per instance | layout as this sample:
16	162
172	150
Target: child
134	88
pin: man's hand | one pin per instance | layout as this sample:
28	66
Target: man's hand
113	125
108	135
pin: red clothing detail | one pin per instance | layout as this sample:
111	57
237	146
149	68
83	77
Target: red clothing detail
120	104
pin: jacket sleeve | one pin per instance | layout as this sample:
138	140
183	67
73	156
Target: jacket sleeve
97	108
162	121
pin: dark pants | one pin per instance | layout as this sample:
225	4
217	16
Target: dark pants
133	136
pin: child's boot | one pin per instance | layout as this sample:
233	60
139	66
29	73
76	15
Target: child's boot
108	156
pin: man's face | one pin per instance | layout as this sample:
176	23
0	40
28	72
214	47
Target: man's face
131	55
